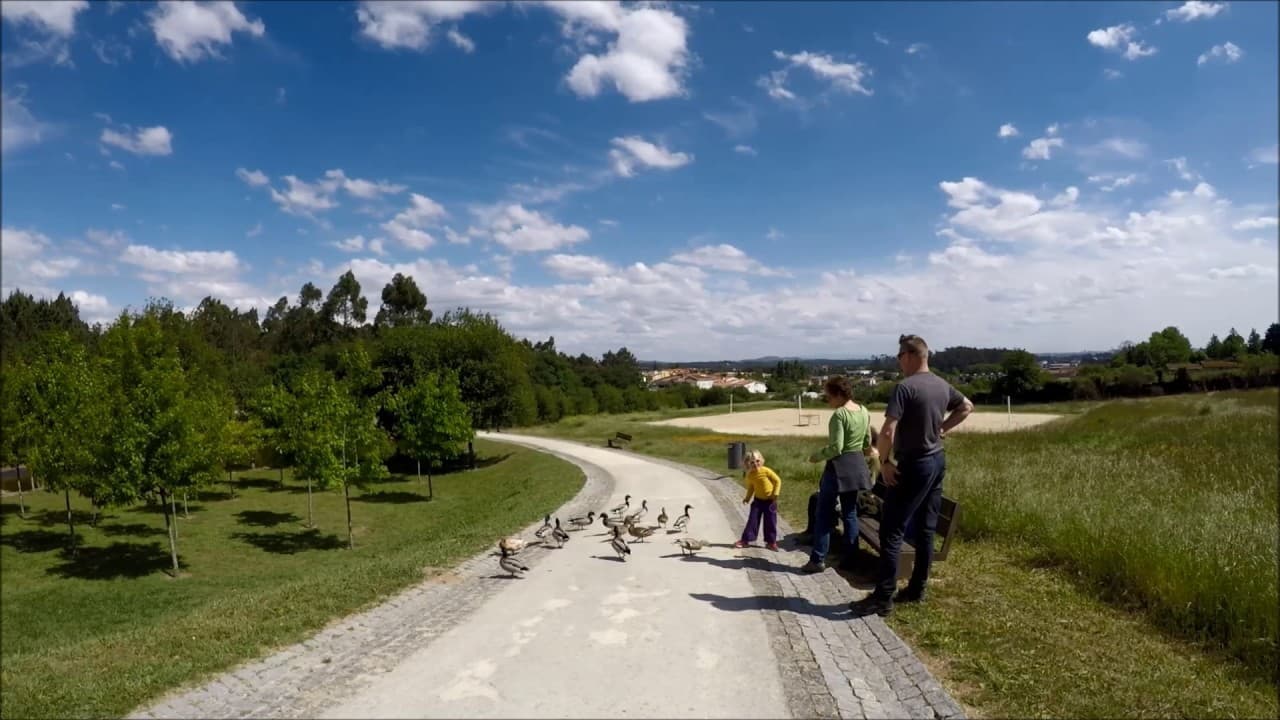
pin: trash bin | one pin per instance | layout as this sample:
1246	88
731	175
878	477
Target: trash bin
737	453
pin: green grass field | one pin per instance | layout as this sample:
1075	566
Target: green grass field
1130	547
97	635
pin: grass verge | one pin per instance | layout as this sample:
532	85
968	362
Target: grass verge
98	634
1163	507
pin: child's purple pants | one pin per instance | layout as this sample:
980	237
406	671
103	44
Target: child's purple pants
766	510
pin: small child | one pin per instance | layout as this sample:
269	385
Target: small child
765	485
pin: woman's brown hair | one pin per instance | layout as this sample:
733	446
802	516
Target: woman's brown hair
839	386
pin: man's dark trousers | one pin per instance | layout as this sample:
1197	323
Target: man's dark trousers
916	498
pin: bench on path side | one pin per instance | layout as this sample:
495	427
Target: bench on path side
619	438
809	418
948	520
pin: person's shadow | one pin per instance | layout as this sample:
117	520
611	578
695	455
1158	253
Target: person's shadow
797	605
736	563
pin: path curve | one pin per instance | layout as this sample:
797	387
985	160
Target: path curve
730	634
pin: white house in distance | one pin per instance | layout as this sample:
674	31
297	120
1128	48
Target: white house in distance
704	381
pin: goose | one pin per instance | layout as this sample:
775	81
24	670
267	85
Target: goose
619	509
611	522
580	522
620	546
511	565
559	535
511	545
639	532
635	516
682	522
546	528
690	545
662	517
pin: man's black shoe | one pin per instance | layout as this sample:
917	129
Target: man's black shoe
812	567
871	605
907	595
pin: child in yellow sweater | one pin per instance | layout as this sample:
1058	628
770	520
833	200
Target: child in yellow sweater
765	485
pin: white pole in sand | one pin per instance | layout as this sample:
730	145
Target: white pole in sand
730	402
1008	404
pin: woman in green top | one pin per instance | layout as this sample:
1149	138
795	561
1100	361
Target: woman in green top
849	434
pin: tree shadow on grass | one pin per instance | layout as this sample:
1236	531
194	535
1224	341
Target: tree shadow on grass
488	461
265	518
291	543
132	529
257	482
117	560
392	496
797	605
35	541
54	518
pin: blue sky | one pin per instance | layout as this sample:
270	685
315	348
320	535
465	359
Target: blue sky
690	180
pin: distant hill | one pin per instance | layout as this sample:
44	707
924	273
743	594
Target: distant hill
946	359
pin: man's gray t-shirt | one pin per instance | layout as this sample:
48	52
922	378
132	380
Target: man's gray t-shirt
920	403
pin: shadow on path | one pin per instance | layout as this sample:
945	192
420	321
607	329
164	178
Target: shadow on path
797	605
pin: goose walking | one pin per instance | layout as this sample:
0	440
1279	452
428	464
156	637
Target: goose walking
546	528
619	544
511	565
581	522
559	535
640	533
690	546
619	509
611	522
682	522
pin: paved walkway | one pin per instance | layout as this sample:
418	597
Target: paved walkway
728	634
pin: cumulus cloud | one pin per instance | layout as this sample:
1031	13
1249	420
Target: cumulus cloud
1228	52
1258	223
181	262
460	41
1265	155
1121	38
408	227
305	199
195	31
19	127
745	150
408	25
352	244
252	178
576	267
633	152
1007	130
724	258
519	229
848	77
1042	148
156	141
51	25
646	57
1195	10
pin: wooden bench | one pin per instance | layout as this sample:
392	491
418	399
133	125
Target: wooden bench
619	438
948	520
809	418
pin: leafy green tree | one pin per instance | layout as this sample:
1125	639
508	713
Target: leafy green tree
13	443
62	416
1214	348
1271	342
365	447
345	301
403	304
1233	346
238	447
312	431
432	422
1254	345
1020	374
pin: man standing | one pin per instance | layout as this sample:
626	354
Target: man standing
913	429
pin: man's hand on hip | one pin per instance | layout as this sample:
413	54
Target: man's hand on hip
890	473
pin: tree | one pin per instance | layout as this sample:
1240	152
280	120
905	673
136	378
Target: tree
1213	349
345	301
1020	374
403	304
365	447
1254	345
312	431
238	447
432	422
1271	342
1233	346
60	395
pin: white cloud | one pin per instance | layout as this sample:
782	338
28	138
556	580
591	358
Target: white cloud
22	244
1204	190
880	38
774	234
117	207
1124	147
1067	197
745	150
916	48
179	262
609	223
724	258
53	17
363	189
631	152
1121	38
105	238
962	256
1180	166
352	244
1229	52
375	247
52	22
519	229
842	76
1110	183
1265	155
1042	148
254	231
1007	130
398	24
646	60
1053	129
18	127
194	31
303	198
738	123
408	226
1258	223
1242	271
1112	74
460	41
577	267
144	141
92	307
1194	10
117	165
253	178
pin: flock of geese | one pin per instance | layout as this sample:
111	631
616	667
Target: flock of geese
620	524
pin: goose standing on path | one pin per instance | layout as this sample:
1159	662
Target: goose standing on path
619	509
662	518
640	533
546	528
511	565
682	522
619	544
611	522
559	535
635	516
581	522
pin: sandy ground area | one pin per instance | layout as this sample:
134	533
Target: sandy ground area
789	422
